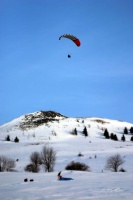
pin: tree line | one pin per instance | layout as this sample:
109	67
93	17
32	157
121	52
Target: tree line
113	136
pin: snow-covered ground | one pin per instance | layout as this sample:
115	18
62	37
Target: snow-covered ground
97	184
100	186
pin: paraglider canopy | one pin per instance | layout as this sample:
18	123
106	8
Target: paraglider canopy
71	37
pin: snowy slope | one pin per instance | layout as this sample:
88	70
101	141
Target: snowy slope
59	126
56	132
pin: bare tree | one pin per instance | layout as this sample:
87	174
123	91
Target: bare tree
6	164
35	158
113	163
48	158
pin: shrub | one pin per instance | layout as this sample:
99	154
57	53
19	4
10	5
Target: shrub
35	162
32	168
77	166
35	158
95	156
54	133
80	154
74	132
122	170
6	164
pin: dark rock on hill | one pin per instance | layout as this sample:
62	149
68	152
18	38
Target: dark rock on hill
39	118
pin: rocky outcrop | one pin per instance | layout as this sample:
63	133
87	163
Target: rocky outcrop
36	119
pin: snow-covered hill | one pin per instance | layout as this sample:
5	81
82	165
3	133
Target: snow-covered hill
35	130
49	125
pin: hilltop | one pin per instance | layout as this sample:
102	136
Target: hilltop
48	124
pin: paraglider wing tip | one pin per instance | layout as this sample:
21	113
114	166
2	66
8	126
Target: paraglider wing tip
77	42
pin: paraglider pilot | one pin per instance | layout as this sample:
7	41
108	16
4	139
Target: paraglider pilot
69	56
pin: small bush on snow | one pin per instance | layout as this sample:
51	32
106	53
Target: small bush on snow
122	170
35	162
32	168
74	132
80	154
77	166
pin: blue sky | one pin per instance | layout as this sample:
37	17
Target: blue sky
37	75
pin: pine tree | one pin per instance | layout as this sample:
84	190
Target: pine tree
106	134
112	136
131	139
115	137
85	131
131	130
75	131
125	130
8	138
16	140
123	138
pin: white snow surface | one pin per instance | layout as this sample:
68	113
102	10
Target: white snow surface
97	184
